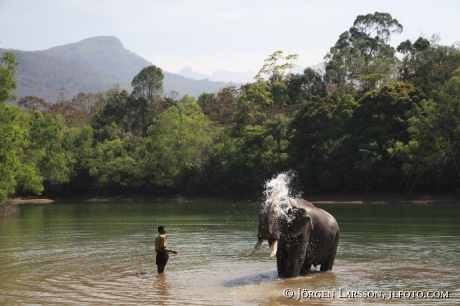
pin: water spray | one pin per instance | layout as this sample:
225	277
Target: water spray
277	193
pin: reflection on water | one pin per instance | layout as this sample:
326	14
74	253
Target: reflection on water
161	289
103	254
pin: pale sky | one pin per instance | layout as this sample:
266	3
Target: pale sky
235	35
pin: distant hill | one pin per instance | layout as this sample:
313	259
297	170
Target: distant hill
103	53
43	76
91	65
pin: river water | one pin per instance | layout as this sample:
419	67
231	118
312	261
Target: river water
102	253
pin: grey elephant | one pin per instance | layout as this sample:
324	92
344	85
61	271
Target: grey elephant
299	234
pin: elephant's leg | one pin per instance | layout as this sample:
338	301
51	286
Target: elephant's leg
293	265
306	266
327	264
280	263
281	257
296	253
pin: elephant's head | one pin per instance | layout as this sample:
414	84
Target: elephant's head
296	221
275	221
268	229
294	241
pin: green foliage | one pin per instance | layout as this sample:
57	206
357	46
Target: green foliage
206	98
220	109
254	99
382	119
242	163
147	83
435	126
17	171
428	65
129	112
275	70
8	66
178	145
9	162
362	55
113	109
306	135
353	129
78	145
46	147
304	87
340	120
381	113
115	164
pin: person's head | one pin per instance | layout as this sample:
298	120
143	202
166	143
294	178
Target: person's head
161	229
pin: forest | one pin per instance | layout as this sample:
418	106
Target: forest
375	119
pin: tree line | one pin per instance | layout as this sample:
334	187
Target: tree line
376	119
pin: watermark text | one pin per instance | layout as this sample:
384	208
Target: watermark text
302	294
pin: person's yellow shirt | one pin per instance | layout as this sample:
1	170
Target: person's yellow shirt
161	243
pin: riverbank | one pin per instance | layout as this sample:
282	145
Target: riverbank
316	199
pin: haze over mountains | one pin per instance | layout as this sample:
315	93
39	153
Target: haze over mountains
219	75
233	77
92	65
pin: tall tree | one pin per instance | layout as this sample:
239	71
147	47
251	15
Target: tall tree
427	65
113	110
178	146
46	147
78	145
221	108
303	87
17	171
362	57
277	66
148	82
381	120
435	125
115	164
8	66
306	136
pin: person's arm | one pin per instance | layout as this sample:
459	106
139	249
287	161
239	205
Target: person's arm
168	251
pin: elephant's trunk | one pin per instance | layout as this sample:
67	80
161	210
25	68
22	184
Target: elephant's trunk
256	247
274	248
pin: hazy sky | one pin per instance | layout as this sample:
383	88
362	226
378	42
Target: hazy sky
208	35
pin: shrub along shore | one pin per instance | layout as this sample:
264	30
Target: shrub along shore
452	198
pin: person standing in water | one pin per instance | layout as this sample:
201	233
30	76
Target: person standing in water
161	247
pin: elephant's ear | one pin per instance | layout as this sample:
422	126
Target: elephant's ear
300	221
306	216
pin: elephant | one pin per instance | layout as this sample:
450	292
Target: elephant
299	234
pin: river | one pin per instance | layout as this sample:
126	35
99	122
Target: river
102	253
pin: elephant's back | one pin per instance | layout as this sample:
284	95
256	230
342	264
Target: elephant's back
325	227
304	203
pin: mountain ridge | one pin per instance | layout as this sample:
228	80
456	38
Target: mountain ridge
91	65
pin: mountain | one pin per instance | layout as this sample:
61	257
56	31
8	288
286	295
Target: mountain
91	65
219	75
189	73
103	53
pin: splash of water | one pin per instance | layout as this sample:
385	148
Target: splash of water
277	193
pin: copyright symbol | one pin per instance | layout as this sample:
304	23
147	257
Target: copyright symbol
288	293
